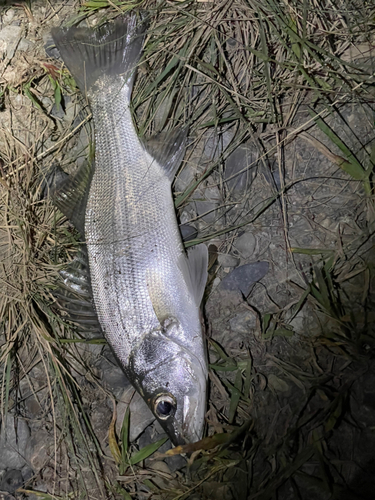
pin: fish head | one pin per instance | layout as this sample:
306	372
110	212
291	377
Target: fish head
179	401
173	386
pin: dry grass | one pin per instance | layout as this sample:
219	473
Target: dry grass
239	73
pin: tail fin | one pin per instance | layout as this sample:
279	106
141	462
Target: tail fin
112	49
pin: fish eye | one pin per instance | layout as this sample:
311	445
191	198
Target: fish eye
164	406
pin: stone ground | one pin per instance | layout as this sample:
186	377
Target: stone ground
306	364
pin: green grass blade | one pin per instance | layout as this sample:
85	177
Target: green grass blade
124	437
235	398
352	166
146	451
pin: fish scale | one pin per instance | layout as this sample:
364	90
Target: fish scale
146	290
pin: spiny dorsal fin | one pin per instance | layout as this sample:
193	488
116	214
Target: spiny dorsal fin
168	149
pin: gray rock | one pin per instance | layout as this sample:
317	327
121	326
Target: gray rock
8	16
6	496
188	232
243	323
10	37
240	168
11	481
246	244
111	373
140	414
14	438
152	434
25	45
242	278
227	260
40	449
27	473
100	420
184	178
206	209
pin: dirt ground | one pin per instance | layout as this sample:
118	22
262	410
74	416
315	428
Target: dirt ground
288	216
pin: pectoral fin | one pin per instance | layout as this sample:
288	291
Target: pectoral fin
195	271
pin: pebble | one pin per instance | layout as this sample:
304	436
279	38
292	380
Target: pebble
246	244
184	178
188	232
8	16
241	160
13	444
203	206
112	375
9	39
25	45
227	260
6	496
100	421
39	449
243	323
242	278
140	414
11	481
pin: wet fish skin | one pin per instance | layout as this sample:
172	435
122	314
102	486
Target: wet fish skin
146	289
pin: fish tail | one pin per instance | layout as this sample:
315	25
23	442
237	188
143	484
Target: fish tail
111	50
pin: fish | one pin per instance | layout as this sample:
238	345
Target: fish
146	289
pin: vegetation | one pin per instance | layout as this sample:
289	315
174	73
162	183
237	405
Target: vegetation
262	74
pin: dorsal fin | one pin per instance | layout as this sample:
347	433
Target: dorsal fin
168	149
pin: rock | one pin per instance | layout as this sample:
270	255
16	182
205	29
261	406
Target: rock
188	232
27	473
246	244
242	278
111	373
100	420
25	45
184	178
13	444
140	414
6	496
208	208
9	39
240	170
207	199
277	384
243	322
11	481
227	260
33	391
8	16
39	449
152	434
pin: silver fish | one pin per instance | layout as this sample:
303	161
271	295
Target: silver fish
146	289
